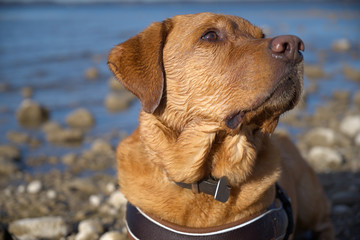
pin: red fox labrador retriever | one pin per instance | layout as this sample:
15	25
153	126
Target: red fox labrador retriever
203	164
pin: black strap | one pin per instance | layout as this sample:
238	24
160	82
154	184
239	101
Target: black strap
280	194
270	226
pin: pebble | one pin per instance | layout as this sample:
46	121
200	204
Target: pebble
81	118
320	137
39	228
31	114
115	102
10	152
357	99
352	73
27	92
346	197
341	210
110	187
113	235
92	73
101	146
115	85
341	45
65	136
8	166
96	200
350	125
117	200
51	194
69	158
18	137
34	187
324	159
89	229
314	71
357	140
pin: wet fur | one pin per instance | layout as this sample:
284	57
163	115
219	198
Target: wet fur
209	108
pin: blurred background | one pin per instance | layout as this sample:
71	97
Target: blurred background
62	114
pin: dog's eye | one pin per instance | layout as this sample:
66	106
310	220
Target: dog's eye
210	36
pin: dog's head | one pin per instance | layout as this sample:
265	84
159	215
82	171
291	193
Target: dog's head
214	67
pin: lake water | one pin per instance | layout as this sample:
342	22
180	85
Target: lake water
49	47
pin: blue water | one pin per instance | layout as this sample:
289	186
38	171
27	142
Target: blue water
49	47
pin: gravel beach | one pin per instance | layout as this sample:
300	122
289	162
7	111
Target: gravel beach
57	158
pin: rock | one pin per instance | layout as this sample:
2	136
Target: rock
27	92
81	118
8	166
4	86
357	99
10	152
117	200
65	136
342	96
341	45
113	236
96	200
34	187
31	114
83	185
115	85
324	159
51	127
345	197
341	210
18	137
115	102
351	73
101	146
51	194
89	229
350	125
110	187
39	228
92	73
69	158
357	140
320	137
314	71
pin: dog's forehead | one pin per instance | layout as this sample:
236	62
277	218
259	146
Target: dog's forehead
204	21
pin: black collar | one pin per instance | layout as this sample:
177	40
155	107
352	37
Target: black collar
216	187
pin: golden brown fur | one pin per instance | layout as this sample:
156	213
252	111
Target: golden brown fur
209	107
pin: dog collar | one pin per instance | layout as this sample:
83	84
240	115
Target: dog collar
275	223
216	187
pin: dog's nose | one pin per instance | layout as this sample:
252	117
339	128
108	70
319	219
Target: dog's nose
287	47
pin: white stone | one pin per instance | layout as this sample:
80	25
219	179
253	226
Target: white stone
350	125
96	200
321	137
21	189
39	228
110	187
51	194
324	158
117	200
91	226
87	236
34	187
113	236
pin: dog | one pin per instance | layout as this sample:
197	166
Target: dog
212	88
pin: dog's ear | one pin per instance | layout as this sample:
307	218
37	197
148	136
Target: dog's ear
138	64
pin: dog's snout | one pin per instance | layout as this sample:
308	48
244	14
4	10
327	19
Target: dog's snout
287	47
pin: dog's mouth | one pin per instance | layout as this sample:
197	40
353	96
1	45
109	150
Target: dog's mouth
281	98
